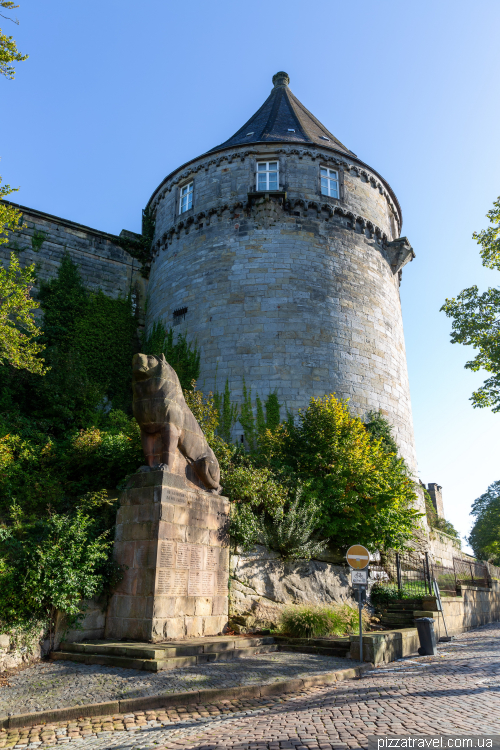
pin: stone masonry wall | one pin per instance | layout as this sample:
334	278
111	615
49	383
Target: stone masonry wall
262	585
475	607
298	293
103	264
444	548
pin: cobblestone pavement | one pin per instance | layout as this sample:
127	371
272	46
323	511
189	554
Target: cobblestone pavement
56	684
456	692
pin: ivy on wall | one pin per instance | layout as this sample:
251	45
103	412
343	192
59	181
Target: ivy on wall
179	353
140	248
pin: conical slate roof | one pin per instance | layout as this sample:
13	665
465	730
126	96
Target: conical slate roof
283	118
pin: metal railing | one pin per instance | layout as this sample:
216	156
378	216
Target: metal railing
407	574
445	579
471	573
411	575
494	571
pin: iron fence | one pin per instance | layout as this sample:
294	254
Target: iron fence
408	575
445	579
494	571
472	573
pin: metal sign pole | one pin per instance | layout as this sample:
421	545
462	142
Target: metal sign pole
358	558
360	626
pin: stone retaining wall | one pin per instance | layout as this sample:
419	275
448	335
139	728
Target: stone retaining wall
262	585
102	262
476	606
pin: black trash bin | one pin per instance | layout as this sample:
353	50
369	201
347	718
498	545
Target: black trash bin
426	636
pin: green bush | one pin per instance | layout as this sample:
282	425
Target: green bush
51	564
385	593
42	473
309	621
292	530
366	493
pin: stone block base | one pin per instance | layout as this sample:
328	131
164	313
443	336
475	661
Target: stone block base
380	648
171	539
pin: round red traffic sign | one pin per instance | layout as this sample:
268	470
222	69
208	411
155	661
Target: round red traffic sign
358	557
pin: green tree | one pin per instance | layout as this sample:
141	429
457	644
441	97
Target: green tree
55	562
8	48
365	493
184	358
476	318
10	217
380	429
260	420
227	412
19	334
485	535
272	407
247	419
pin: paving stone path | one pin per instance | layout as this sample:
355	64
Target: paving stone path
456	692
57	684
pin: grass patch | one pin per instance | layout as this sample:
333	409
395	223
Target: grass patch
309	621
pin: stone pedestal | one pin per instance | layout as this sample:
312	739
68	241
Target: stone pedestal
171	537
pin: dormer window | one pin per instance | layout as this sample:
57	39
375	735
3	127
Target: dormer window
267	175
291	130
186	198
329	182
324	137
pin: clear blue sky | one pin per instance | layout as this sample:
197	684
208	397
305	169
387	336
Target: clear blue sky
116	94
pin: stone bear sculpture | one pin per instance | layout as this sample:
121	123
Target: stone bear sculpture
167	422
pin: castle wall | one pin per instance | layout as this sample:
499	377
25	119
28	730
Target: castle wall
298	294
103	264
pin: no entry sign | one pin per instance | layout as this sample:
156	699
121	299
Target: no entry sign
358	557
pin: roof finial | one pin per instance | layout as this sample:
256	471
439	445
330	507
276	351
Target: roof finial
281	79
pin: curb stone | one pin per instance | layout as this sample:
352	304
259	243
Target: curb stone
128	705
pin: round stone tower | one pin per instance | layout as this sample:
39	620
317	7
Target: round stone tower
279	252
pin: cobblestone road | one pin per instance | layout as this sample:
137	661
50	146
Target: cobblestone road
457	692
57	684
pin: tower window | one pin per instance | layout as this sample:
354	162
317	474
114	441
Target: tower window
186	198
267	175
179	315
329	182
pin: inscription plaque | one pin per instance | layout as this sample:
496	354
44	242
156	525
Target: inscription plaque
207	583
196	559
167	554
212	558
171	495
183	555
172	582
222	578
194	584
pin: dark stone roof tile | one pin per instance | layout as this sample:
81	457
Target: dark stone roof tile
282	118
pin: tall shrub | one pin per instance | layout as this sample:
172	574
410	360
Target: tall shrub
365	493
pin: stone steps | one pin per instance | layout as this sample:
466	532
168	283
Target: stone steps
399	615
155	657
323	646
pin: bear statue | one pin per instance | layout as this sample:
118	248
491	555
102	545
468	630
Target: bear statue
167	423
